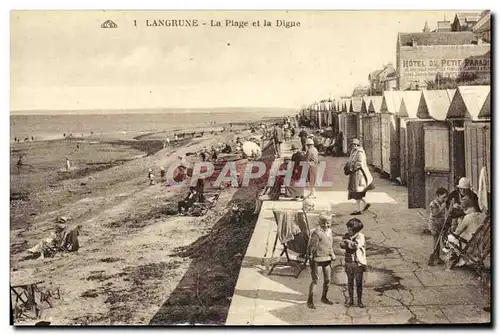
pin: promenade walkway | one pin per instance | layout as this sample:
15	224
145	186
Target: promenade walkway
400	288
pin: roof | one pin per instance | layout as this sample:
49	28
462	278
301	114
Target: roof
468	17
375	104
356	103
435	104
390	76
485	111
347	105
484	24
409	104
391	102
374	74
437	38
468	102
365	104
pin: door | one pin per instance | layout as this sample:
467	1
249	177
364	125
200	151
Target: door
416	167
376	143
478	152
385	142
436	159
351	128
395	150
360	127
458	154
403	152
367	139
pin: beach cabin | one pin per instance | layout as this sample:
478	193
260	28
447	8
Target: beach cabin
343	123
351	126
472	106
335	117
355	110
389	109
367	130
436	148
374	110
407	111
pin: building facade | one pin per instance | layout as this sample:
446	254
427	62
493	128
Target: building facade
382	80
423	57
465	21
482	28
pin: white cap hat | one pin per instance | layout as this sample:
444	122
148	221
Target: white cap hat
309	141
464	183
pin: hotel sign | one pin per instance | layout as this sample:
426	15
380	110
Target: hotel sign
447	67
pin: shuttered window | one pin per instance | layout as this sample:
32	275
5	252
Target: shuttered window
437	156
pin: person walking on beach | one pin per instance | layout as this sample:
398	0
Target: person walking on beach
360	178
353	242
68	164
312	163
320	254
20	161
163	174
151	177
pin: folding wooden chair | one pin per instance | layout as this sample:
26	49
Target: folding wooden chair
305	233
476	249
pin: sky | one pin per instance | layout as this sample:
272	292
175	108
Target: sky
64	60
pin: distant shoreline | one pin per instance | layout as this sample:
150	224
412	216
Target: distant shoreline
174	110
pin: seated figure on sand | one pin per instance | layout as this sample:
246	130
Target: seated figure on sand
193	196
61	239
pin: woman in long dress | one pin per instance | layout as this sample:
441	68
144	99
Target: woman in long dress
360	178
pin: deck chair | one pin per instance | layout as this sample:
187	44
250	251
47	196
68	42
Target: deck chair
475	250
298	244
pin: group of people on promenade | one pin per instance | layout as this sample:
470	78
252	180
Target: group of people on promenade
453	220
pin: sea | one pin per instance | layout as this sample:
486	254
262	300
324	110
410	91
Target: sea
49	126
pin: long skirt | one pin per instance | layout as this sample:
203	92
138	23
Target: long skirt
312	174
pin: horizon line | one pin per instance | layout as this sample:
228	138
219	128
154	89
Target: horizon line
165	109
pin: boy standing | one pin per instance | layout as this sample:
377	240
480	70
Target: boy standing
320	253
436	223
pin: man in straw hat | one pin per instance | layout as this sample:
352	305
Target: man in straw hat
463	188
312	162
462	193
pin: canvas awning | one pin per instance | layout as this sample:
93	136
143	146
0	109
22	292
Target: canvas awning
375	104
485	111
468	102
409	104
391	102
434	104
356	103
365	103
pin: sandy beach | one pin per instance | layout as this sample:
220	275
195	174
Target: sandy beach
138	263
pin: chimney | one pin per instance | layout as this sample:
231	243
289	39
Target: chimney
413	42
